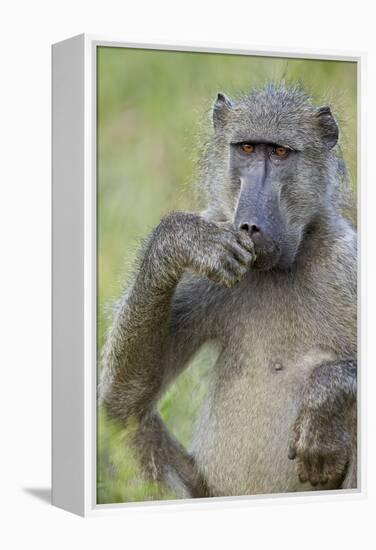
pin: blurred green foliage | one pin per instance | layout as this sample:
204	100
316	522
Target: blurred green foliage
152	105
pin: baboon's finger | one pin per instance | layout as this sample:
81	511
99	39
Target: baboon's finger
294	438
317	464
304	469
303	477
324	479
241	255
235	267
244	240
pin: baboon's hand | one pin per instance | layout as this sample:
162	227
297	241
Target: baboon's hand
216	251
321	444
220	253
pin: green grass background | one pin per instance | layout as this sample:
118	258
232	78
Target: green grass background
152	106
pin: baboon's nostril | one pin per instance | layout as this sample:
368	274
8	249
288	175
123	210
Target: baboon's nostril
251	228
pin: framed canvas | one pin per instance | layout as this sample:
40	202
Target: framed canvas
206	318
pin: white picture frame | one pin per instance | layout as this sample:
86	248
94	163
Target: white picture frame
74	277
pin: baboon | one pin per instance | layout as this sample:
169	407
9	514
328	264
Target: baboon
267	272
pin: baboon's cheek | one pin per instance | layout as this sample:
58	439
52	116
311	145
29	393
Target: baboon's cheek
289	252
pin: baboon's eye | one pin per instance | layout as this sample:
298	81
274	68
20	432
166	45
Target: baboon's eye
247	148
280	151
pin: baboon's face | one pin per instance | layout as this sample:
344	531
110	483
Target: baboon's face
277	168
261	170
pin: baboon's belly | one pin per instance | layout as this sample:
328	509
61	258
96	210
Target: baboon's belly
242	437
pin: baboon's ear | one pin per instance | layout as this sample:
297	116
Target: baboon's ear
221	108
328	126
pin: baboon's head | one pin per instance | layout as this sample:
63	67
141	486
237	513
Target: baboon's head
270	169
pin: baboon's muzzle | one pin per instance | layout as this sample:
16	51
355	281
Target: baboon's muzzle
258	212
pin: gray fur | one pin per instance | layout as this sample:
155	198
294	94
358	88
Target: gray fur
281	411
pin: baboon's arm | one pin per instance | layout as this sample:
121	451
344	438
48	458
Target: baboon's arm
151	341
324	433
162	319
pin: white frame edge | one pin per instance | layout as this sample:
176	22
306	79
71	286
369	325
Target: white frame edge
68	382
74	279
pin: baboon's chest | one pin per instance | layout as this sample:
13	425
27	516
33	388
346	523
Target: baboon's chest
273	329
244	428
243	434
